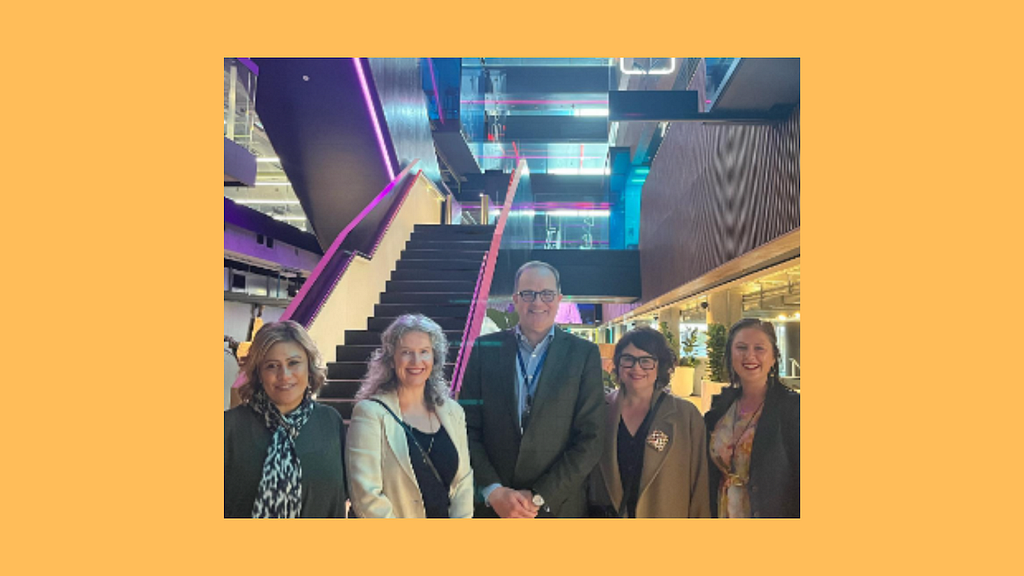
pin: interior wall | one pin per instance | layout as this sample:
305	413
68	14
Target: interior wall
715	192
237	316
351	301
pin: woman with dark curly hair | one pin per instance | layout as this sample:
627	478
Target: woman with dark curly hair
754	431
654	463
408	454
283	452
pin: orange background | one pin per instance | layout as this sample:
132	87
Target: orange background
113	416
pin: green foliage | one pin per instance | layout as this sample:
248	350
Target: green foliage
608	381
667	333
504	320
717	336
689	343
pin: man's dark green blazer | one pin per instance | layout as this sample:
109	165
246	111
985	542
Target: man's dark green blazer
565	435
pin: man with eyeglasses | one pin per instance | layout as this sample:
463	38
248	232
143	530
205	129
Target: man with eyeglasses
535	408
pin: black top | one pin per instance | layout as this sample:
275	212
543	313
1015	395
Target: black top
320	447
631	466
445	458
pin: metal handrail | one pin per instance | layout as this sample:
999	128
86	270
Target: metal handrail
478	305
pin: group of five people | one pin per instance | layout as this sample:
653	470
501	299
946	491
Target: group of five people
533	433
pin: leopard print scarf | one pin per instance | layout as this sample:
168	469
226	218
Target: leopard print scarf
280	491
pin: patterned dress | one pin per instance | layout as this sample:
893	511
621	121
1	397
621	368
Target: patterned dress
731	443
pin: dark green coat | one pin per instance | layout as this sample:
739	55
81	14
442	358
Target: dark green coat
321	449
565	437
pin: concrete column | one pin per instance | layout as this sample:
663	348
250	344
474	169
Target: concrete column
725	307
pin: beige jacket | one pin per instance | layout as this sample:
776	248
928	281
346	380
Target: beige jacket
382	483
674	481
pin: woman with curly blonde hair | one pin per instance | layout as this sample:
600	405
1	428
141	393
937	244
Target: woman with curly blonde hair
408	454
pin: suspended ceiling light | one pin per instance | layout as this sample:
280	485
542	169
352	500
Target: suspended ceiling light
671	68
269	159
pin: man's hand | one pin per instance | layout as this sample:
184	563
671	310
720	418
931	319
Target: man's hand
509	503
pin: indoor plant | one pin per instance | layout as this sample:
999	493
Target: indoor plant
718	379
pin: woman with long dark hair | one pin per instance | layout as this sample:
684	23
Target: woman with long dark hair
754	431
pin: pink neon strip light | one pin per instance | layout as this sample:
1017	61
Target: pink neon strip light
478	307
534	101
337	244
543	157
437	98
373	116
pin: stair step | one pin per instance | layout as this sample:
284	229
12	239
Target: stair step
452	234
465	245
362	352
469	229
451	252
340	389
372	337
381	323
437	264
432	311
457	275
461	299
357	370
343	406
440	286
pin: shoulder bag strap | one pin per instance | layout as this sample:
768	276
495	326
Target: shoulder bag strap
408	431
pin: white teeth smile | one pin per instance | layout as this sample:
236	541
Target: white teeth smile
751	366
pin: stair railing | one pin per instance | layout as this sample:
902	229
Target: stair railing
318	287
478	305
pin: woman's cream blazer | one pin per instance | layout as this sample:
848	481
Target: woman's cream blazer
382	483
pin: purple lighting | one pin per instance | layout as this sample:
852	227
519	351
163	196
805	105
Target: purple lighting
437	98
373	116
568	313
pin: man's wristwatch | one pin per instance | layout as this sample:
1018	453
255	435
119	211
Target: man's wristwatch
538	500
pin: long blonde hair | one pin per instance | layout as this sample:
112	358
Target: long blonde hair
380	376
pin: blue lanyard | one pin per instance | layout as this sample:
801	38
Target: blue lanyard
536	372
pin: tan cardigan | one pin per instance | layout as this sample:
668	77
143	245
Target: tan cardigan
382	483
674	481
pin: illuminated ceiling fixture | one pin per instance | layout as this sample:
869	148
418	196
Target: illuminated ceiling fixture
782	317
797	315
590	112
671	68
269	159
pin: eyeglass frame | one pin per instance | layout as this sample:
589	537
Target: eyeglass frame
634	360
534	294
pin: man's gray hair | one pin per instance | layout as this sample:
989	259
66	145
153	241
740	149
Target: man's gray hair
537	264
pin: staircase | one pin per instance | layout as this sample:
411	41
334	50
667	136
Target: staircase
435	276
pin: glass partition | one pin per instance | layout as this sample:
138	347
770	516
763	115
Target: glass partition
718	71
239	102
